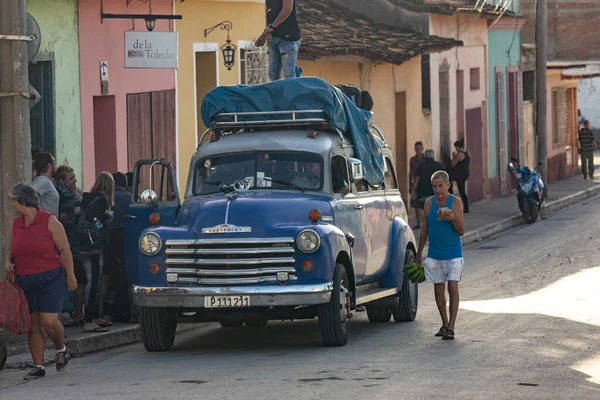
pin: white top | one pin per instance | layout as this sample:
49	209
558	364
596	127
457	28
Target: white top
49	198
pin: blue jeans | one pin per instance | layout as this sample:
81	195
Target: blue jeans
277	49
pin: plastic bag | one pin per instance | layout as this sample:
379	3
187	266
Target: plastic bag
14	309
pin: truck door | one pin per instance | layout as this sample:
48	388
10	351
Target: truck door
155	201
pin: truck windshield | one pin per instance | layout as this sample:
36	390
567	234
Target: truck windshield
262	171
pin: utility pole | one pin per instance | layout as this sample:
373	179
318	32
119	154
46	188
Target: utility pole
15	135
541	75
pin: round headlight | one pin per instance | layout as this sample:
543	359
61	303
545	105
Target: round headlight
308	241
150	244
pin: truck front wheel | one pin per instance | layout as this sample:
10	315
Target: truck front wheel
334	321
158	326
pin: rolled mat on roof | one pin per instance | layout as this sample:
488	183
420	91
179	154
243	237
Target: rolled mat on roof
298	94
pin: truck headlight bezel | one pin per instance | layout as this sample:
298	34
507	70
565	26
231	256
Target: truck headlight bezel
312	236
148	237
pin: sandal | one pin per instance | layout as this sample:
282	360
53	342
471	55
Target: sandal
103	323
75	323
442	331
449	335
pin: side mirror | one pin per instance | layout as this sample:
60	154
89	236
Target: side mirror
149	197
356	169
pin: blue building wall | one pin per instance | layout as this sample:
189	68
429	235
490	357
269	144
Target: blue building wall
504	50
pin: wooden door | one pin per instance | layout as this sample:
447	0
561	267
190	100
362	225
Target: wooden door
460	104
402	146
474	134
139	128
445	152
501	129
513	134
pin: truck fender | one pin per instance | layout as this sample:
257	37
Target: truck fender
340	252
401	239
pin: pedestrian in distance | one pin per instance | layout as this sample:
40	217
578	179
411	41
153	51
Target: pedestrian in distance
284	36
422	188
443	226
94	207
587	148
415	161
45	169
40	257
461	160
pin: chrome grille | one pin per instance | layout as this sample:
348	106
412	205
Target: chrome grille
231	261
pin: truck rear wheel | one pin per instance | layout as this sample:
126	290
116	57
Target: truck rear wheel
408	298
334	321
378	314
158	327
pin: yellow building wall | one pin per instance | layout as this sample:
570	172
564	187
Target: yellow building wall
248	19
384	81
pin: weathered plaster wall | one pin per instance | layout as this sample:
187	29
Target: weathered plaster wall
248	18
106	42
473	33
588	99
503	51
58	26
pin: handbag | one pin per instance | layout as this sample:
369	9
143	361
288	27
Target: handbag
89	235
14	308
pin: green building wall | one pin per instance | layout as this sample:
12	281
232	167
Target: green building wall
59	40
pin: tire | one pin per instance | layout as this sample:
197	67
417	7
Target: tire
3	352
158	327
334	323
256	322
231	323
532	213
378	314
408	298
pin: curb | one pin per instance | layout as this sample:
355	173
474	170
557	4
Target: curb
493	228
92	343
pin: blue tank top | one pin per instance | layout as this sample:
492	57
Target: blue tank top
444	242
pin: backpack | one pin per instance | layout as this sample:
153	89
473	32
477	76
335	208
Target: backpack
88	235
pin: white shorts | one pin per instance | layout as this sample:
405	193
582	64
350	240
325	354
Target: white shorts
440	271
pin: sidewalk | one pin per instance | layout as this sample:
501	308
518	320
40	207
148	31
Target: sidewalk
489	217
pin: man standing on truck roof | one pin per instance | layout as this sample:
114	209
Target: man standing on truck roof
283	33
444	225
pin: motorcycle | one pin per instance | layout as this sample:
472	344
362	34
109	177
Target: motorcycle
531	192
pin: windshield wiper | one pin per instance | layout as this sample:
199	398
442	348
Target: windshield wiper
288	184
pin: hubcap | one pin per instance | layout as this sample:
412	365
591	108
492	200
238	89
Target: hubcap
344	303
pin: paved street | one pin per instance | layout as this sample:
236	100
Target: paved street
529	328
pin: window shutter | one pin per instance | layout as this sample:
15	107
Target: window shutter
501	126
520	118
562	116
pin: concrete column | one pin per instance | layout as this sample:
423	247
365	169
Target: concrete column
15	135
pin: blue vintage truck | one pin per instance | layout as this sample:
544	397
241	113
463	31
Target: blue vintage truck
291	211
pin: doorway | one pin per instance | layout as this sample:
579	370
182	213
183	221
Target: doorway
444	156
401	145
41	119
206	77
474	133
105	134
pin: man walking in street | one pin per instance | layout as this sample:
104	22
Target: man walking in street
283	33
587	148
443	225
422	188
415	161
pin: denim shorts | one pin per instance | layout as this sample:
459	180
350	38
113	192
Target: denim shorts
44	291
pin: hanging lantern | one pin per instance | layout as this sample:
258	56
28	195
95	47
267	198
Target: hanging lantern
228	50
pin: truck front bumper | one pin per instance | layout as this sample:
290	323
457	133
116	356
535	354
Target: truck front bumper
260	296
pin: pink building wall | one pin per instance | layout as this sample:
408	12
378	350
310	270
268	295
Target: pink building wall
105	42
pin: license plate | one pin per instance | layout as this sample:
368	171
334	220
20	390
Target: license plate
226	301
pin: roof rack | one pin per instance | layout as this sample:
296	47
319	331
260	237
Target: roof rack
269	118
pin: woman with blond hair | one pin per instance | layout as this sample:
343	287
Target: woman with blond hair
95	212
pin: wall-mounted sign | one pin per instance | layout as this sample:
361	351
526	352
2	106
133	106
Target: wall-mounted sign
104	77
150	49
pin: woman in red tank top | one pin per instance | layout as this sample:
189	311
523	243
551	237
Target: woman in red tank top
40	257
